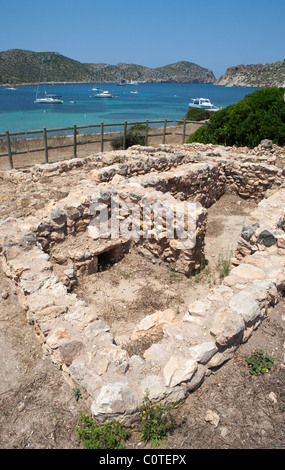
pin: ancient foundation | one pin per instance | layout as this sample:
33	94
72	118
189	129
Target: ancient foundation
52	242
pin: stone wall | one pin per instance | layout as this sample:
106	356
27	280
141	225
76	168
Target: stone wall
78	342
264	228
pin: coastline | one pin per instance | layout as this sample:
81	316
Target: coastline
103	81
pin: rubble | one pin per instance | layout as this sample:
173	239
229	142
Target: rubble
50	238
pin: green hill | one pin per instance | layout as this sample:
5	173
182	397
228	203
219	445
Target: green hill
21	66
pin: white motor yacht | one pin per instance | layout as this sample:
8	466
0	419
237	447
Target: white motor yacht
103	94
202	103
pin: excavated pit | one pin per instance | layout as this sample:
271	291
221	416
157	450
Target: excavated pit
120	315
127	283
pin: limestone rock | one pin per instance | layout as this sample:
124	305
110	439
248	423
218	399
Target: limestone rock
247	271
114	399
245	304
178	369
228	327
212	417
203	352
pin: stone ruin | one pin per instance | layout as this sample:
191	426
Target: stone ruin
47	249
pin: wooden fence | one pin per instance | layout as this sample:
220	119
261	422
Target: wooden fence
10	136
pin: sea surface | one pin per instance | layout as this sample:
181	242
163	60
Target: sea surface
154	101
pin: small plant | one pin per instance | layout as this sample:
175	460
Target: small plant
105	436
76	393
224	264
156	420
259	362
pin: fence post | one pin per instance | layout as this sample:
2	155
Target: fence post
164	131
184	131
74	140
9	150
102	136
45	144
146	132
125	135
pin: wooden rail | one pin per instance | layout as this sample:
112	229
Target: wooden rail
75	132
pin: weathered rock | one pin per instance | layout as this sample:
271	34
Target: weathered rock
178	369
212	417
228	327
244	304
113	400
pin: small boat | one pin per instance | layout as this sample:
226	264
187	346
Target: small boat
103	94
202	103
122	83
10	88
47	98
132	82
134	92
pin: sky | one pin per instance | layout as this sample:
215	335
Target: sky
215	34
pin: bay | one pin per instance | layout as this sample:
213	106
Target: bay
153	101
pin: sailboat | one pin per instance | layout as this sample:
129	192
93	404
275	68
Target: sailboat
102	93
47	98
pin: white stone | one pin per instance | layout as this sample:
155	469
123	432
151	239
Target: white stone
155	385
245	304
203	352
199	307
247	271
157	318
178	369
113	398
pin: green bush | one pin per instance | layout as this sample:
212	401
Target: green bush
197	114
103	436
259	115
135	136
156	419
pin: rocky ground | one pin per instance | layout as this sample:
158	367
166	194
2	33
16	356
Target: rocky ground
39	411
231	409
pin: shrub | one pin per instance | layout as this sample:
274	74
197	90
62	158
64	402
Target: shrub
104	436
196	114
259	115
135	136
156	420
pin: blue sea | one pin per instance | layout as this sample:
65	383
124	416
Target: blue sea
154	101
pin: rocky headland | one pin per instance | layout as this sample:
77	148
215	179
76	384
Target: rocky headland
255	75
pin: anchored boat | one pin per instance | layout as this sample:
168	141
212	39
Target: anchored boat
202	103
48	98
103	94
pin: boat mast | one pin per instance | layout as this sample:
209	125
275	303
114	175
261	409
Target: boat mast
41	71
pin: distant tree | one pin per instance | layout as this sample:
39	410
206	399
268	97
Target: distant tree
197	114
259	115
135	136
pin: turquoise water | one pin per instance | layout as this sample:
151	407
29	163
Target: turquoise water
154	101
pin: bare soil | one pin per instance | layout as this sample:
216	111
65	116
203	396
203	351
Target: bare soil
38	410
